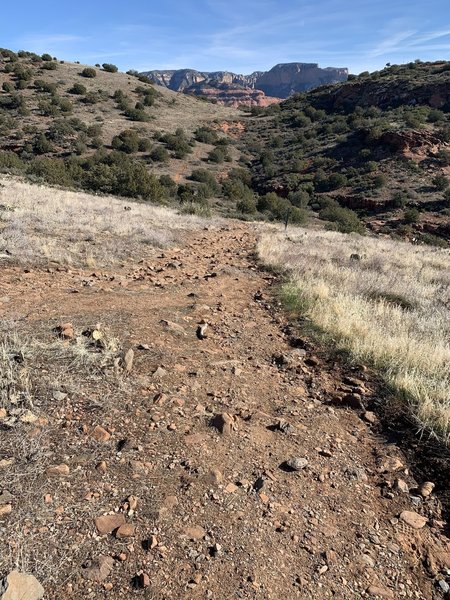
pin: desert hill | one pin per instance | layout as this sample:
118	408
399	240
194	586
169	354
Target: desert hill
260	88
377	144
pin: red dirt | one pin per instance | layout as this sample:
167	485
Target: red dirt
217	515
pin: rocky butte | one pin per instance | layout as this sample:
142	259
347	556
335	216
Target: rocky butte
260	88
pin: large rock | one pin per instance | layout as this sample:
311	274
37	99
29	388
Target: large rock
20	586
257	89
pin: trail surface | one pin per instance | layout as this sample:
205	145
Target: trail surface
220	514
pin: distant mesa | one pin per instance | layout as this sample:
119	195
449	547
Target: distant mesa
260	88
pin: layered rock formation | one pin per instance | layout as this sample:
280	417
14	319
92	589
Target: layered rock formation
257	89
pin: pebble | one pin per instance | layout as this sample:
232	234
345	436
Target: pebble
125	531
376	590
21	586
61	470
224	422
426	489
100	434
108	523
413	519
297	463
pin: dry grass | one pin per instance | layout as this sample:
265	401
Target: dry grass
42	224
391	307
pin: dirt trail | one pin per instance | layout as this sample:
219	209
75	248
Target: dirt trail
219	515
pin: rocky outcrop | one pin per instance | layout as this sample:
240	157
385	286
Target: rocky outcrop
284	80
257	89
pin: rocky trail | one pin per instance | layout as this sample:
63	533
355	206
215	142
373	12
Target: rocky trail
224	456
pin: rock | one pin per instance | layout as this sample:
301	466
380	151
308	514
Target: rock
5	510
370	417
128	360
297	463
66	331
108	523
102	467
20	586
160	372
376	590
173	327
61	470
58	396
391	464
443	585
224	422
142	580
99	569
353	401
195	533
125	531
284	427
413	519
231	488
214	477
100	434
426	489
28	417
401	486
3	413
201	331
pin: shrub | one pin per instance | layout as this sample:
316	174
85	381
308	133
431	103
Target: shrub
89	72
342	219
441	182
205	176
206	135
78	89
127	141
177	143
246	205
46	57
50	66
218	155
41	144
159	154
411	215
7	87
136	114
110	68
10	161
45	86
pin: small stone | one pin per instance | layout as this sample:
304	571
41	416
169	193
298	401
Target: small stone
61	470
195	533
445	588
143	580
108	586
231	488
401	486
323	569
132	503
426	489
3	413
224	422
376	590
66	331
122	557
99	569
102	467
21	586
413	519
5	510
214	477
100	434
128	360
160	372
125	531
297	463
58	396
108	523
391	464
370	417
201	331
28	417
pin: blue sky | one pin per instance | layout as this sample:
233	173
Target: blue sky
236	35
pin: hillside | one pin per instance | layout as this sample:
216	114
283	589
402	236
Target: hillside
377	144
261	88
109	132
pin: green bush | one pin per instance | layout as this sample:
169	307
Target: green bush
136	114
127	141
205	176
78	89
10	161
441	182
89	72
206	135
246	205
218	155
342	219
46	57
159	154
41	144
110	68
49	66
411	215
177	143
7	87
